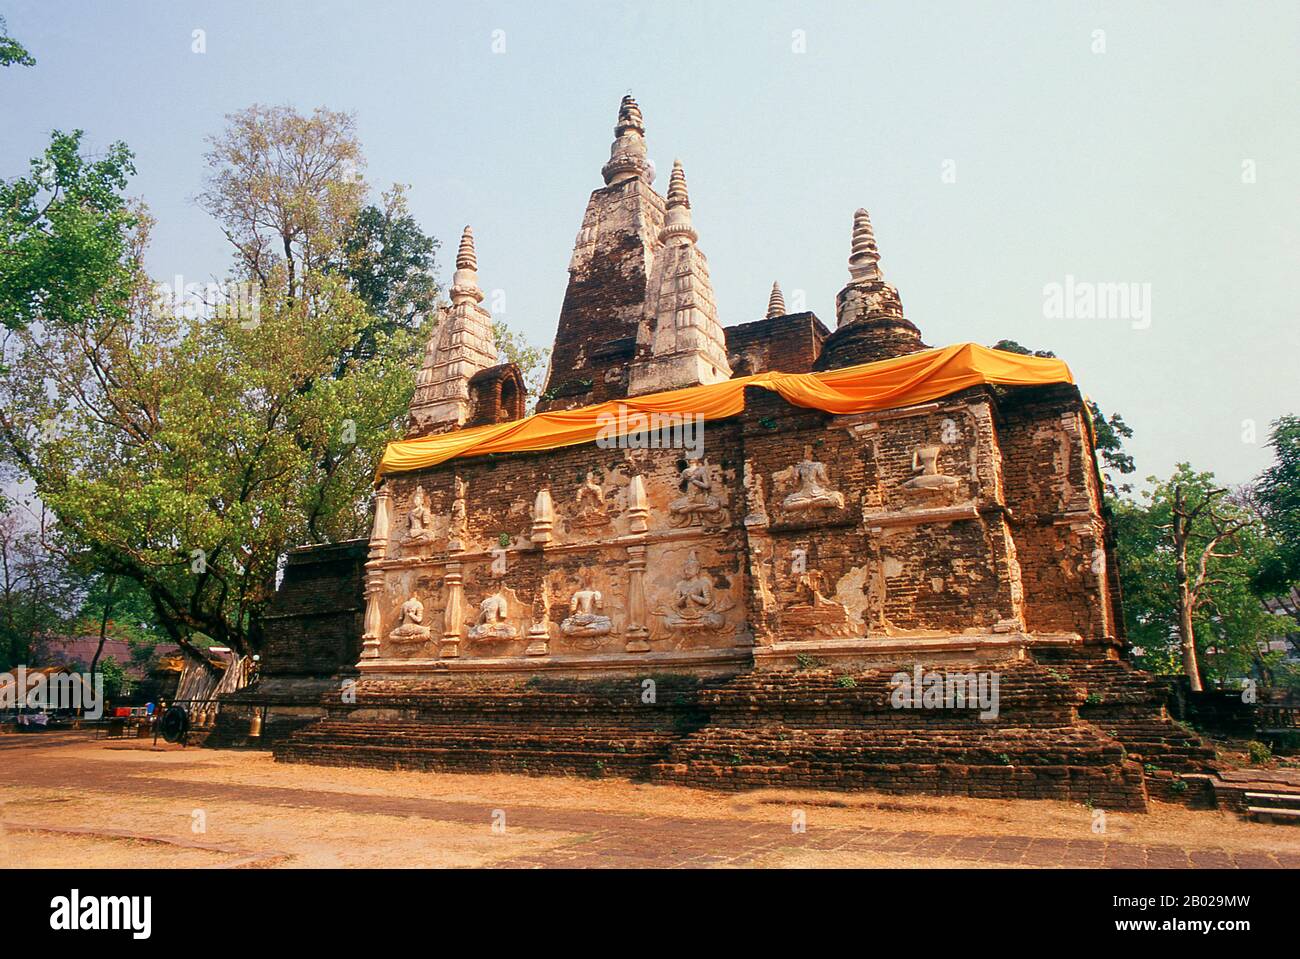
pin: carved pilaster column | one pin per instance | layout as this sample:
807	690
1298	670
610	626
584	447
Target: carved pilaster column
539	633
453	614
638	512
375	576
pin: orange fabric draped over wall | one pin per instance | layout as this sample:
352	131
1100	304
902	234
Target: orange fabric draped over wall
902	381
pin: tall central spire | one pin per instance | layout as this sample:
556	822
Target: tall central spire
613	258
627	157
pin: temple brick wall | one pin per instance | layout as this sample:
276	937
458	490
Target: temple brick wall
789	343
767	575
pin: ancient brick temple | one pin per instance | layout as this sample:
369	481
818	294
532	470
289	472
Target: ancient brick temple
766	584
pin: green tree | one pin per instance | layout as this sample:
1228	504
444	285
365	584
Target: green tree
117	683
532	360
37	595
1277	494
11	51
389	262
190	452
64	235
1221	544
286	190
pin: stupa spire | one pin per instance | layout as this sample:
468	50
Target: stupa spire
627	157
864	257
677	221
680	341
462	344
870	324
464	283
775	302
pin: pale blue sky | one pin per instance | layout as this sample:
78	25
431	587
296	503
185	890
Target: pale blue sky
1122	166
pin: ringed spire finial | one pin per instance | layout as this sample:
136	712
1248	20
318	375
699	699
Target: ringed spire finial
775	302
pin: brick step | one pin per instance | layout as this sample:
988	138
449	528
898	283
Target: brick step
782	745
439	757
355	735
1275	800
1267	813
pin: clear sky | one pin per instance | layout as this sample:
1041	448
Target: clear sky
997	146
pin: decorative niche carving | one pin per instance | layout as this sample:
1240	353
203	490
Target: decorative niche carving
695	606
697	501
813	491
492	623
410	626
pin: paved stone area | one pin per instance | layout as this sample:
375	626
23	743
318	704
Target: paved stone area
608	839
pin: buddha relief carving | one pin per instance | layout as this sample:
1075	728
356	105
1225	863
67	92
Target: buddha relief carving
490	623
585	622
410	626
419	520
925	462
458	525
813	490
590	504
697	501
755	503
694	605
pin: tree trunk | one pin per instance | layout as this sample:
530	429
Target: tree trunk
103	625
1186	633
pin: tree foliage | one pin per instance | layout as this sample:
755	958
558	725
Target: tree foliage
12	53
389	263
1230	624
286	190
184	453
532	360
64	231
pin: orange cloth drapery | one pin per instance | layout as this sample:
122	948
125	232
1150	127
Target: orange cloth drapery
902	381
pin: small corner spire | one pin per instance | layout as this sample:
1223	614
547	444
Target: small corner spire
775	302
677	221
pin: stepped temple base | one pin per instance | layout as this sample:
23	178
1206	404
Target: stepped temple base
1074	729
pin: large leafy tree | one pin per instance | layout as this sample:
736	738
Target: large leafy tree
183	453
37	594
1277	495
286	190
389	263
1221	544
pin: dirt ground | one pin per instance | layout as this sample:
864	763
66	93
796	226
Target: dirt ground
70	800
